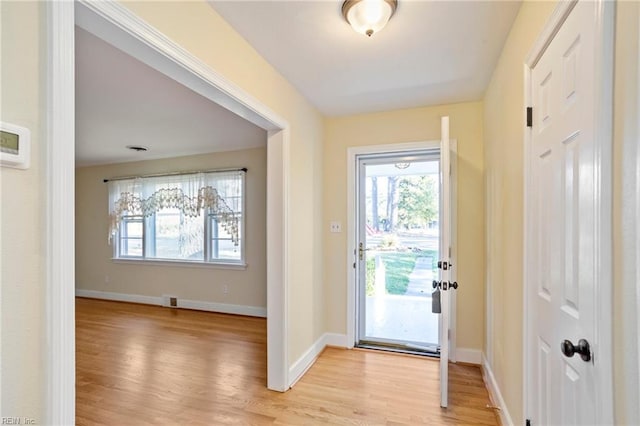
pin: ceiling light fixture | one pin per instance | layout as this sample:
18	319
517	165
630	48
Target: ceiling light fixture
368	16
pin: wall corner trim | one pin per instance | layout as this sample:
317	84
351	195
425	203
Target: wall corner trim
224	308
469	356
494	393
58	339
306	361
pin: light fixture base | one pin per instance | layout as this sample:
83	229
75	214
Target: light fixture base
364	21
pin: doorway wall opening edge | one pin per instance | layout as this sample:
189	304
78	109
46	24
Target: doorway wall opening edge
59	160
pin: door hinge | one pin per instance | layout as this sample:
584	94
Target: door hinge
529	117
527	422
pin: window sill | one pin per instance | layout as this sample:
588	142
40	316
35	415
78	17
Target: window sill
181	263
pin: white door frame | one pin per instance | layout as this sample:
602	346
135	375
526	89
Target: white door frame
352	231
634	258
115	23
604	135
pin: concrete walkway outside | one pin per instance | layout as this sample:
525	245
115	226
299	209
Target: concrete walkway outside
405	317
421	278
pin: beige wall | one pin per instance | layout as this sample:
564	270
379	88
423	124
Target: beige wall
626	248
94	253
199	29
21	216
410	125
503	135
503	121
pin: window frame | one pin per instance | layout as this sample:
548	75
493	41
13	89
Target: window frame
209	227
149	231
131	219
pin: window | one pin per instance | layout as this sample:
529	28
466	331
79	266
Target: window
189	218
221	245
131	236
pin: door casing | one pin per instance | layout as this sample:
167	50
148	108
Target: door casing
352	231
604	132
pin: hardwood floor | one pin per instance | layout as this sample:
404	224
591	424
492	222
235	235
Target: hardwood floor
148	365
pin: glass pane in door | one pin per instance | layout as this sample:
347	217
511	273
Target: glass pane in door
400	237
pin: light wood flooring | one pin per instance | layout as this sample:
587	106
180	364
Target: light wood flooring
148	365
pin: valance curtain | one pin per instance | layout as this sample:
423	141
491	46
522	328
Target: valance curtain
218	192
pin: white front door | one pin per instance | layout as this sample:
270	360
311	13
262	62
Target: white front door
564	230
445	261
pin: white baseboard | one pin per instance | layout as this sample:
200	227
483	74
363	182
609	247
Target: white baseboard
225	308
304	363
469	356
252	311
119	297
494	393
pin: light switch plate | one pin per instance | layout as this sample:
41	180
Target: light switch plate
335	227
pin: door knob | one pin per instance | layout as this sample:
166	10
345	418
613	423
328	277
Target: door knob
361	251
583	348
445	285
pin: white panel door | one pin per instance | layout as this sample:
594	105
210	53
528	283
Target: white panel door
565	195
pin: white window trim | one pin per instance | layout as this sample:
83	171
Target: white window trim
181	263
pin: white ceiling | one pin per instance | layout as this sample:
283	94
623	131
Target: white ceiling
121	101
431	52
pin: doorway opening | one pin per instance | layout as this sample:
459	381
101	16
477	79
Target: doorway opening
117	25
398	248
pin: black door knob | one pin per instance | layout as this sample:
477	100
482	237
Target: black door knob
582	348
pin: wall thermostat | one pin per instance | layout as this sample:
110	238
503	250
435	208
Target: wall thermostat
15	146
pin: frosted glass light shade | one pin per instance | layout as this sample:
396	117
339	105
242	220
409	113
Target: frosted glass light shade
368	16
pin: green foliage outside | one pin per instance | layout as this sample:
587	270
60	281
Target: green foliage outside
398	267
402	202
418	201
371	275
